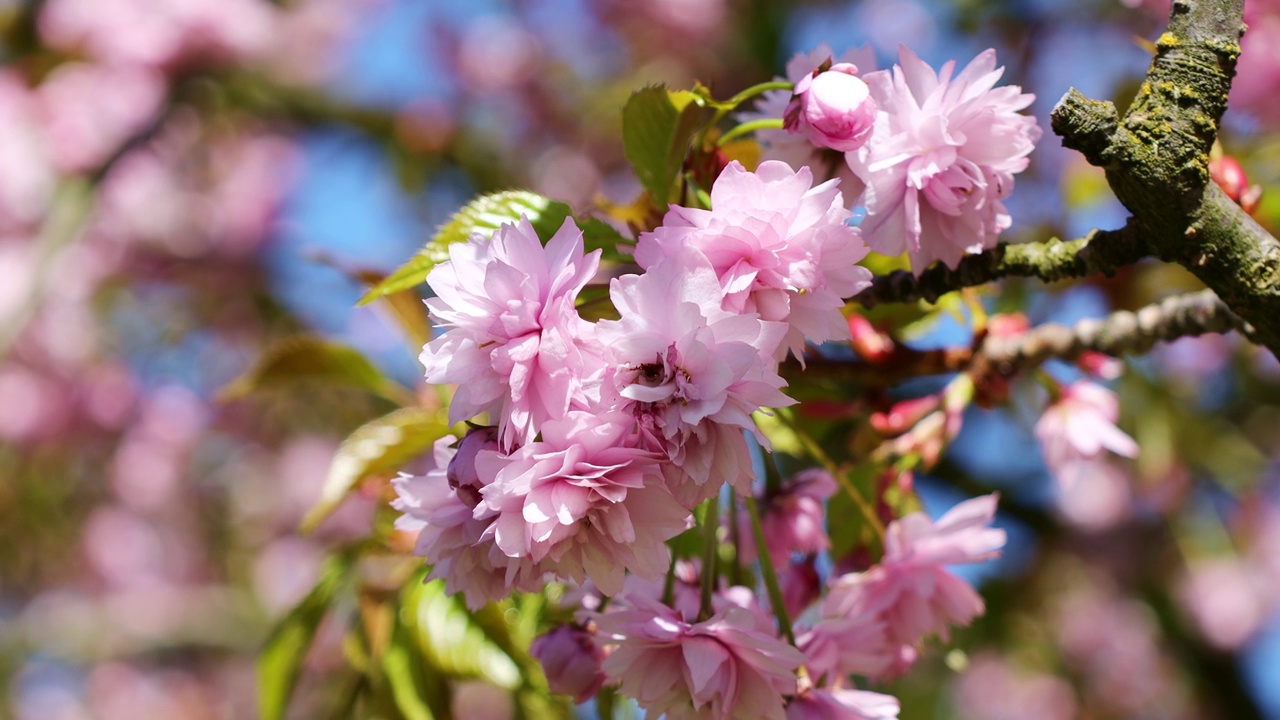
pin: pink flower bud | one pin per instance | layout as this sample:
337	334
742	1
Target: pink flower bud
1231	177
462	468
571	659
904	415
833	108
874	346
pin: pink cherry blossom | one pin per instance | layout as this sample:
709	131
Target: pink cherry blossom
450	536
571	659
461	471
89	110
779	246
851	643
691	372
159	32
27	176
844	704
1077	428
995	688
1254	87
801	584
581	503
793	520
911	590
722	668
833	108
513	342
941	159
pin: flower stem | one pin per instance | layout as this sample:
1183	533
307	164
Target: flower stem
735	571
842	478
760	89
776	602
710	549
669	586
749	126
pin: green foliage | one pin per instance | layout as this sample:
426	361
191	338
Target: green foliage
281	658
377	448
847	525
657	126
307	358
451	638
486	214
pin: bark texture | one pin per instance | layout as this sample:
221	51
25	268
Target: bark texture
1156	160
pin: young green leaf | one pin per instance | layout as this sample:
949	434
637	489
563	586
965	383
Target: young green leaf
486	214
280	661
379	447
657	125
311	358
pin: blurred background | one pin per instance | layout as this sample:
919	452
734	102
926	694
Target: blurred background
185	184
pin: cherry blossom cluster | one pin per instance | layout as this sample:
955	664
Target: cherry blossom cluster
592	443
933	153
606	435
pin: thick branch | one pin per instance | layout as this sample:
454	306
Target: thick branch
1101	251
1156	160
1120	333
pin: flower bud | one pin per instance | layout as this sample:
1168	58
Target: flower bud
1230	176
571	660
873	345
833	108
462	468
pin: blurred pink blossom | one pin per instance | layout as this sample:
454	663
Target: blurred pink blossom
910	590
1226	599
1113	643
90	109
843	705
993	689
725	667
793	520
498	53
571	659
312	36
27	175
160	33
1077	428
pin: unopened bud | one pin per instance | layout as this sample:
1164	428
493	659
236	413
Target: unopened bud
833	108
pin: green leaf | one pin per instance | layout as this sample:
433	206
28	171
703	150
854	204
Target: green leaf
415	686
280	661
311	358
452	640
657	125
379	447
846	525
486	214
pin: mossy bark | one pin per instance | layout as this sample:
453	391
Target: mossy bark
1157	162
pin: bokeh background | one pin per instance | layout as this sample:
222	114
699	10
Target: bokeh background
184	184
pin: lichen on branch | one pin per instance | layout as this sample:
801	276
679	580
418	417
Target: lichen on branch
1156	161
1101	251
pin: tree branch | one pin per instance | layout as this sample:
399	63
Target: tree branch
1101	251
1156	161
1120	333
